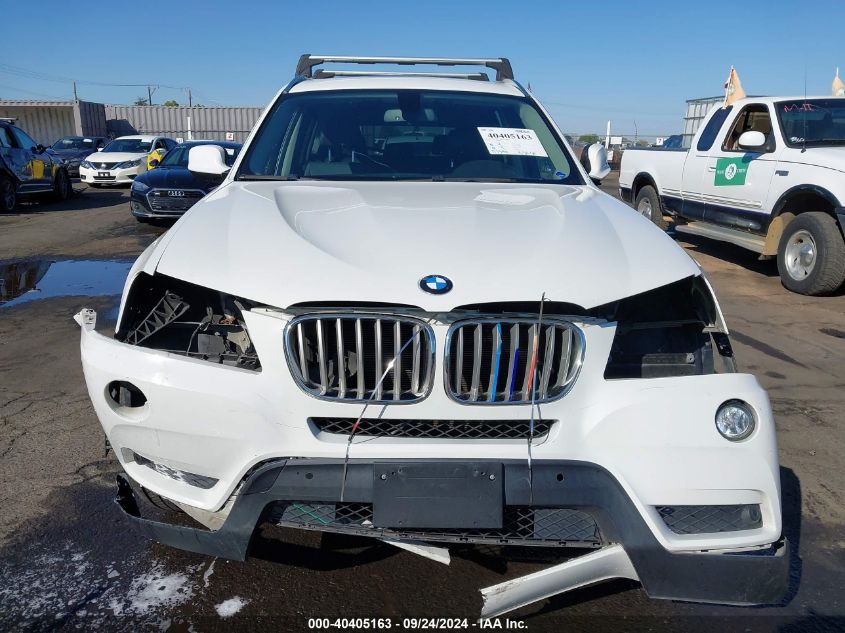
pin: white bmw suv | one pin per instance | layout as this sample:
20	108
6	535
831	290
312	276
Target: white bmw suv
408	313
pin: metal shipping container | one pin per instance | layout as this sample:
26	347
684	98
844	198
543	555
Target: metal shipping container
48	121
205	123
697	110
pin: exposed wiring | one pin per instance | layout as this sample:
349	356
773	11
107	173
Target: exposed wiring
532	377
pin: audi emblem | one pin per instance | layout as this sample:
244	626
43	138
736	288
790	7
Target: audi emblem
175	193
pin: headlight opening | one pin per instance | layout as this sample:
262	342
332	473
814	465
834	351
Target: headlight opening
174	316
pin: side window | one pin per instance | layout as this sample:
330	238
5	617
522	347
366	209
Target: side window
5	137
754	118
159	144
23	140
169	144
708	135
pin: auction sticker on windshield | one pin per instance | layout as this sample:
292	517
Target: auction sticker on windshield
512	141
730	171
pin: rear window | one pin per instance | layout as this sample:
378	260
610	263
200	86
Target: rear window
708	135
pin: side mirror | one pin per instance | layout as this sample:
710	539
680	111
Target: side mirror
39	149
154	163
752	141
594	160
208	160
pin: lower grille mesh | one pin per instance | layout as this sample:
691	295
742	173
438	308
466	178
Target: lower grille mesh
436	429
549	527
709	519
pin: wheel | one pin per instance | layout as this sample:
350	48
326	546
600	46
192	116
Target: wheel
61	186
648	204
8	195
811	254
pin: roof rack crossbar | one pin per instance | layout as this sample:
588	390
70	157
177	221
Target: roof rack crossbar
328	74
501	65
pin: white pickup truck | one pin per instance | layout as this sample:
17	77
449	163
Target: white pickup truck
767	174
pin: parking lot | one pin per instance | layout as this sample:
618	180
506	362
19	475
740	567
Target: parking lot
68	561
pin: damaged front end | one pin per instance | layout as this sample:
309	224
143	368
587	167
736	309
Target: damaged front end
177	317
504	423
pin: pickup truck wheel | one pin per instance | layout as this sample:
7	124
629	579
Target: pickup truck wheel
8	195
648	204
811	255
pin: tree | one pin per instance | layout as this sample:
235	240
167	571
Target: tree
171	104
588	138
140	101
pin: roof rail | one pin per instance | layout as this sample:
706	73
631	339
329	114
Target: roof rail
501	65
8	119
328	74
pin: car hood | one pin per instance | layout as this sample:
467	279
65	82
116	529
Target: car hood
286	243
113	157
173	178
828	157
71	153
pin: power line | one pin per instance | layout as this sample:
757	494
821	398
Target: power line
19	71
30	92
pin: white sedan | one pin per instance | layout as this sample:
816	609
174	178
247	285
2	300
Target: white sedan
123	159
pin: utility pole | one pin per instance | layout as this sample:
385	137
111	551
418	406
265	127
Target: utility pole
150	96
75	98
190	103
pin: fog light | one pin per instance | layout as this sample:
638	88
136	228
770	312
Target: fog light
735	420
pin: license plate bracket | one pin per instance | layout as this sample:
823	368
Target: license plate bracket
449	495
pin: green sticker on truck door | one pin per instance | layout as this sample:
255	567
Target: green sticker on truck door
730	171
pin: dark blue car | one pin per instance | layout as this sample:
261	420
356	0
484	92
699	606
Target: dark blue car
166	192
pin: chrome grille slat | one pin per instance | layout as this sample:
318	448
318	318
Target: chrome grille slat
476	363
321	358
529	356
359	356
549	353
329	362
341	365
397	365
377	381
303	369
513	359
415	362
478	376
495	360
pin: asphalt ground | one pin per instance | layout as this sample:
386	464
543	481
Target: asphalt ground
69	562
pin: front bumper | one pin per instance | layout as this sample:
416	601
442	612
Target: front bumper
759	577
655	437
111	176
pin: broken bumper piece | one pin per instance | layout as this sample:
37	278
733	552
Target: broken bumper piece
295	492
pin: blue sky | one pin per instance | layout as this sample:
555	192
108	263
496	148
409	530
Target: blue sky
632	62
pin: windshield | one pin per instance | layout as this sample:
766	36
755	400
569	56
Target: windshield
809	122
407	134
129	145
74	142
178	156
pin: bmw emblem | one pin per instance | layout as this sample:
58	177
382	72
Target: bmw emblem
435	284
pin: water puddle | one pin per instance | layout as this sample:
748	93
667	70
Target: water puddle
28	280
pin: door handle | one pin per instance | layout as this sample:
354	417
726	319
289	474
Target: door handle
711	168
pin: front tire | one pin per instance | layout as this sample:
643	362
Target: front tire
647	204
8	195
61	186
811	255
